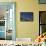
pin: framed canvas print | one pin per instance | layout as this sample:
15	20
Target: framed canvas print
2	30
7	20
42	22
26	16
42	1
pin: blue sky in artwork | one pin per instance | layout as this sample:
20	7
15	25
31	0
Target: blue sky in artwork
2	34
26	15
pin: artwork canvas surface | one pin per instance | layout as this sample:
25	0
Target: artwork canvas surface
2	35
26	16
42	1
7	21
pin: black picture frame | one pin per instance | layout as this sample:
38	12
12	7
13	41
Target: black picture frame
42	21
26	16
42	1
